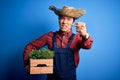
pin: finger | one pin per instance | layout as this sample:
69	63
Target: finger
79	31
80	28
82	24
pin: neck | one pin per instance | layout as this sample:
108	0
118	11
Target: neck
64	32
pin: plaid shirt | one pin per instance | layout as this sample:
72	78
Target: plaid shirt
77	43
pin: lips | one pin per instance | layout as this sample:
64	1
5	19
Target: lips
63	26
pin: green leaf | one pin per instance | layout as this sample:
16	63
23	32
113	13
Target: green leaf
41	54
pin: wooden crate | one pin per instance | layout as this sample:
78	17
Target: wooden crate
37	66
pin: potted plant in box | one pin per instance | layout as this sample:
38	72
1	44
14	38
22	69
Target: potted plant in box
41	61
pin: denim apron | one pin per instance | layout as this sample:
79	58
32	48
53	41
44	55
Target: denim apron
64	64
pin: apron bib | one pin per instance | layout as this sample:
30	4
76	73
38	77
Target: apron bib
64	64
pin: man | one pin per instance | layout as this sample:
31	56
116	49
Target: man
64	42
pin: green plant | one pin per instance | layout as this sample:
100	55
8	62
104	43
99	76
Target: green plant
41	54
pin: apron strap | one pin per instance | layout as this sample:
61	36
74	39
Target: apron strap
54	40
70	40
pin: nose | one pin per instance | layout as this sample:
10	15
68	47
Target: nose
65	21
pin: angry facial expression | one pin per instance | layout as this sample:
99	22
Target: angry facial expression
65	23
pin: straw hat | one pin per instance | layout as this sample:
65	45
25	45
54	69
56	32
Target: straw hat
68	11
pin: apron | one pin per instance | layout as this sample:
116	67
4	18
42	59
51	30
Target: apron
64	64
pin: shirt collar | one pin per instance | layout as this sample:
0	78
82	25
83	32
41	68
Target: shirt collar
64	33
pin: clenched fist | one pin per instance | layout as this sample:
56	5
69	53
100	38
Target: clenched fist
81	28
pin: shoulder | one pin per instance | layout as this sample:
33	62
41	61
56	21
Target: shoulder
50	34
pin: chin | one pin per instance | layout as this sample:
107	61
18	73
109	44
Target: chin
63	30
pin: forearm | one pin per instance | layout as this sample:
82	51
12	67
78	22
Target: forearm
36	44
87	43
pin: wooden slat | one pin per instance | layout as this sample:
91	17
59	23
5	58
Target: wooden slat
48	69
35	62
41	70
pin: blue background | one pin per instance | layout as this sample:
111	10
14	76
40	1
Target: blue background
22	21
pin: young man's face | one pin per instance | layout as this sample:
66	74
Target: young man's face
65	23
